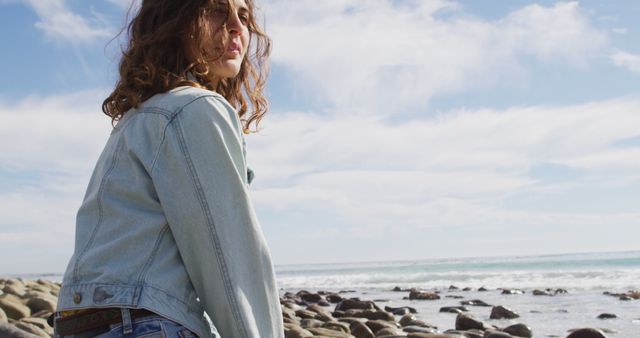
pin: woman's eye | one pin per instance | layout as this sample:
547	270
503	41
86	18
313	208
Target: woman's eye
244	18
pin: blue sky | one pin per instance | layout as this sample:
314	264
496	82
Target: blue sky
398	129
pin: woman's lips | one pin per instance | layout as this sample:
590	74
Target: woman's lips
234	48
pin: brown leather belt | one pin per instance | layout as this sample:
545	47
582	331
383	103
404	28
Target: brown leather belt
93	319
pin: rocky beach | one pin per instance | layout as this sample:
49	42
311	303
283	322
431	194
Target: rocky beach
25	305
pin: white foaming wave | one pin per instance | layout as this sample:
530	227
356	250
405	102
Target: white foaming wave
610	279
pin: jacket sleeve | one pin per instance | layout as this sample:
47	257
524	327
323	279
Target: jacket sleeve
200	176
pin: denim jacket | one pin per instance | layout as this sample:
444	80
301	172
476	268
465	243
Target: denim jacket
167	223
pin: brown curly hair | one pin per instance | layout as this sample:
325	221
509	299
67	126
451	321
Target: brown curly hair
155	60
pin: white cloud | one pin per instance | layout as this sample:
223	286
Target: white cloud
453	170
381	56
51	145
627	60
59	23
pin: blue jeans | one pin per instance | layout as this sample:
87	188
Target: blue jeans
153	326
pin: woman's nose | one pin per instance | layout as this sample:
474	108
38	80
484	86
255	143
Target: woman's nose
233	23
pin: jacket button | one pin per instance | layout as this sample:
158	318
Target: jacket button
77	297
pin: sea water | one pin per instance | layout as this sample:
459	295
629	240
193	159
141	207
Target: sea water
584	276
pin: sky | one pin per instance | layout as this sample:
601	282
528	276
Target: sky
398	130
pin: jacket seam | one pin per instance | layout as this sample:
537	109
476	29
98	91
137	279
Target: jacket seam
171	117
211	227
147	264
114	161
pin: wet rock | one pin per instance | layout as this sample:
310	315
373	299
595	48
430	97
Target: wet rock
397	288
497	334
466	289
39	322
400	310
453	287
352	303
360	330
423	295
321	313
454	309
333	298
474	302
607	316
454	296
388	331
520	330
408	320
467	333
468	322
482	289
501	312
373	315
586	333
417	328
309	297
561	292
537	292
376	325
434	335
3	316
305	314
512	292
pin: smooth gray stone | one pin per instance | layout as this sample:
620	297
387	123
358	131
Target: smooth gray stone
8	330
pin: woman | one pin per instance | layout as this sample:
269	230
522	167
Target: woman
166	231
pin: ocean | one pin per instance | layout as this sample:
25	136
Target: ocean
585	276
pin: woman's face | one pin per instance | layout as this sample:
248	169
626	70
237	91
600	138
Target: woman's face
235	15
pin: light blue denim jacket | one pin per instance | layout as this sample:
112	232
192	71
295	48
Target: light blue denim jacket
167	223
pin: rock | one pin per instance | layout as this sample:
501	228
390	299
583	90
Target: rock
537	292
388	331
453	309
309	322
10	331
321	313
474	302
586	333
467	333
333	298
319	331
13	308
14	289
512	292
482	289
3	316
337	326
607	316
360	330
376	325
373	315
352	303
497	334
454	296
304	313
501	312
434	335
42	303
33	329
520	330
423	295
634	294
561	291
467	322
466	289
400	310
39	322
397	288
311	297
417	328
407	320
295	331
453	287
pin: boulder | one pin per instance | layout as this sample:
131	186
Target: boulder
8	330
318	331
33	329
13	307
468	322
607	316
423	295
520	330
586	333
501	312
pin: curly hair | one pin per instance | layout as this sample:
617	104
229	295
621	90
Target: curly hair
155	60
